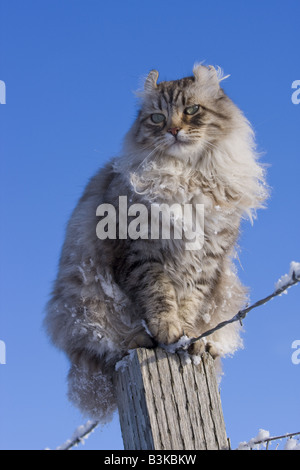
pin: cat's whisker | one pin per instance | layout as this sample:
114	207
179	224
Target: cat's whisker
196	139
148	147
210	145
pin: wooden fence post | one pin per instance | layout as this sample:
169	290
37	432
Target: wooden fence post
168	403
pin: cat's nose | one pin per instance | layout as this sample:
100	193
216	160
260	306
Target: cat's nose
174	130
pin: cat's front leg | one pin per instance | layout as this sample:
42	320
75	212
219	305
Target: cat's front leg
164	327
154	297
193	312
158	302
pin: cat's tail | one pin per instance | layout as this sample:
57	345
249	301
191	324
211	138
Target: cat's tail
90	379
92	392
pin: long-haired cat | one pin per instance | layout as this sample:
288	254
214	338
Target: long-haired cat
188	145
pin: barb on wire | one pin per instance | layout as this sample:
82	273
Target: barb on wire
287	281
291	279
264	440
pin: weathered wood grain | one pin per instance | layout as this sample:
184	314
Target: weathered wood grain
167	402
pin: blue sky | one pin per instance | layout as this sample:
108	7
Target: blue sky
70	67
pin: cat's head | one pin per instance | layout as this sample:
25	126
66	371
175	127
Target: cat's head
182	118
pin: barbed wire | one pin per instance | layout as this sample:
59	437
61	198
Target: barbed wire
84	431
79	435
255	442
295	278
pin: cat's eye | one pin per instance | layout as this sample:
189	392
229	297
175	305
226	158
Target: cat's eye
192	109
158	118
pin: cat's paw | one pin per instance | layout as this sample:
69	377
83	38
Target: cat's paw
197	348
165	331
200	347
212	349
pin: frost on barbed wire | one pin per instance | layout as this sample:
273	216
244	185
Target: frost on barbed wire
284	283
83	383
263	439
256	441
287	278
292	444
79	435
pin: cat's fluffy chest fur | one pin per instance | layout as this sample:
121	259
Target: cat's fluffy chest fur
171	182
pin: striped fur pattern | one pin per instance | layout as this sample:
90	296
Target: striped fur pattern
188	145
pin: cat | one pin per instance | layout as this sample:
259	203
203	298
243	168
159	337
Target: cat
188	145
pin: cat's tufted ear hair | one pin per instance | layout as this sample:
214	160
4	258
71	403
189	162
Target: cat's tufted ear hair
207	76
151	81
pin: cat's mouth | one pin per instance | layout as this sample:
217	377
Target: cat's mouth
180	144
183	142
180	148
180	139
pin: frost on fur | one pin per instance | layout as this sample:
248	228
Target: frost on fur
93	394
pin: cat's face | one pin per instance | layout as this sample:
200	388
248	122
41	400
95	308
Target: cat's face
183	117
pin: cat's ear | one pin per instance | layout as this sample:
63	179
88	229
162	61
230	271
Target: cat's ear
151	81
207	76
